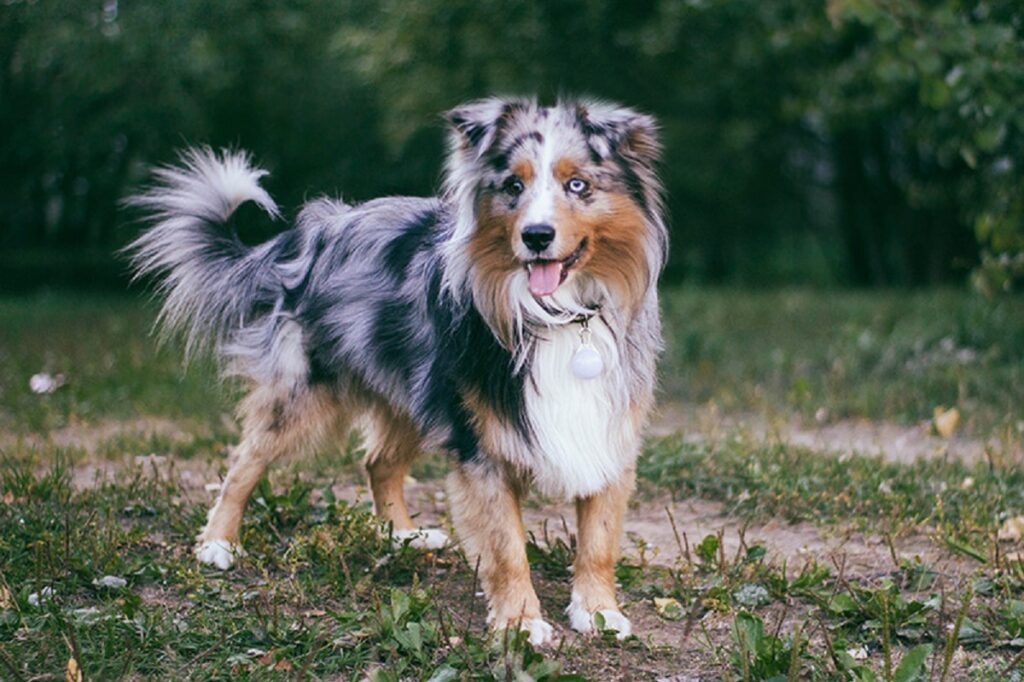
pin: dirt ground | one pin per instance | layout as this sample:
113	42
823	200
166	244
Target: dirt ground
893	442
649	533
659	531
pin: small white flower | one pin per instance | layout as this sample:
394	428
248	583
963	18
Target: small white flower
858	653
42	596
751	595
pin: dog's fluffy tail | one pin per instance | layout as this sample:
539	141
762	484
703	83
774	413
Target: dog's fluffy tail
212	283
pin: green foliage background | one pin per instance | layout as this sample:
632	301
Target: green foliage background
866	142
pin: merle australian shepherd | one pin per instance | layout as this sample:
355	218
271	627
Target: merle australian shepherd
512	321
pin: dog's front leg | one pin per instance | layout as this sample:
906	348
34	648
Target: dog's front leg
599	520
485	510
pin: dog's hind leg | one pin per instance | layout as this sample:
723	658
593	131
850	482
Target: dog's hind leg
393	445
274	423
599	520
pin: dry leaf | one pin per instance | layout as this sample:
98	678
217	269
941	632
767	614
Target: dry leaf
945	421
6	602
1012	529
668	608
73	673
8	498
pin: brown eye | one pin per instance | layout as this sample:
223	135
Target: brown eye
577	186
513	186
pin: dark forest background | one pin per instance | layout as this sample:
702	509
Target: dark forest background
848	142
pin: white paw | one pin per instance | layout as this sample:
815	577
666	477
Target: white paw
582	620
615	620
219	553
420	538
541	632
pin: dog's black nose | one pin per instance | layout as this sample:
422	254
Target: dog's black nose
537	237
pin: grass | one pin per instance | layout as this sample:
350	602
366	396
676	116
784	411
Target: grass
878	355
892	356
322	593
113	369
799	484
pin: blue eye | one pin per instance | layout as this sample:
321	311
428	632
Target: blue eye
577	186
514	186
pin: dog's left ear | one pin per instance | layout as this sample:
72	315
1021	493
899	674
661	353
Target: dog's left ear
475	125
614	129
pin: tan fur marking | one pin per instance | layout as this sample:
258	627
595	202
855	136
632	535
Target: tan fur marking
493	262
523	169
489	427
616	254
393	445
272	426
565	169
599	520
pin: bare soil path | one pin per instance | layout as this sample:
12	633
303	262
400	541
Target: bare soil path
649	533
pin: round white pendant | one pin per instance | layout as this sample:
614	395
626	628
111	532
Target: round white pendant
587	363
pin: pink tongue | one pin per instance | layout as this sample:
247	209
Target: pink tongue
545	278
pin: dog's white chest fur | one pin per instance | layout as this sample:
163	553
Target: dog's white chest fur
584	435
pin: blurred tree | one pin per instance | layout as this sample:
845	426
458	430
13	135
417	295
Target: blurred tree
96	92
852	141
926	104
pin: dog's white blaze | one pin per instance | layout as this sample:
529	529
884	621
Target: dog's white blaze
584	434
540	207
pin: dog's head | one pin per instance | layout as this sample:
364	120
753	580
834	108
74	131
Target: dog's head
558	209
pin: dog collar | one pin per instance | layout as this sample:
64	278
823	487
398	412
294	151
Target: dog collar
585	318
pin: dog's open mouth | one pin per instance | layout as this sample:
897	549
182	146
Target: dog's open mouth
547	275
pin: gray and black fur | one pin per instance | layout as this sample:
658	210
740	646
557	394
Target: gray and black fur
363	283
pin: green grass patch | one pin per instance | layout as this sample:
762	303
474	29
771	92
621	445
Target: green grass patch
882	355
322	592
965	503
112	363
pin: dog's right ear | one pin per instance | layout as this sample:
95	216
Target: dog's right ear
475	125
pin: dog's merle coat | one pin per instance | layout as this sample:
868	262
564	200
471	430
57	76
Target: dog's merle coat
366	283
420	307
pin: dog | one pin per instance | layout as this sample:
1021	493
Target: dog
512	322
